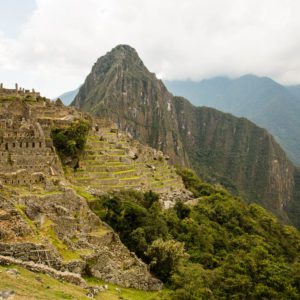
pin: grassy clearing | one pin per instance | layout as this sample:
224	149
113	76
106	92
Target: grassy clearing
116	292
31	286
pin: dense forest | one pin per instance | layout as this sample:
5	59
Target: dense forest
216	247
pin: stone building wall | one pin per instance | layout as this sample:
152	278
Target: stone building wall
27	153
18	91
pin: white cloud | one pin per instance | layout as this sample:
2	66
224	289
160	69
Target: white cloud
176	39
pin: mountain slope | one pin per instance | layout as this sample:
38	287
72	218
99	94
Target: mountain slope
260	99
219	146
236	149
68	97
295	90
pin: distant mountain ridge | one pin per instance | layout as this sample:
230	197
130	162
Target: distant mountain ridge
219	146
260	99
68	97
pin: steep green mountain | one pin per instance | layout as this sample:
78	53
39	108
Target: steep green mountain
240	154
260	99
220	147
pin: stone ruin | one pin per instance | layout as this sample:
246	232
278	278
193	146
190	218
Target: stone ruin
32	94
111	160
27	154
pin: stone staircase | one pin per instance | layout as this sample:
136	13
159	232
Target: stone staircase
114	161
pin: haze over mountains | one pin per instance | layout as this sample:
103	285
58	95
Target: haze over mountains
260	99
220	147
68	97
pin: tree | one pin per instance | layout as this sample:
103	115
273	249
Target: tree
70	141
182	210
165	257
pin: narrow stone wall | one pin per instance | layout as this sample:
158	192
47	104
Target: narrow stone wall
40	268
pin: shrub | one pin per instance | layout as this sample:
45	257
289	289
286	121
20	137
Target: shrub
70	141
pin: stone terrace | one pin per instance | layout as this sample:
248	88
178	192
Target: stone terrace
114	161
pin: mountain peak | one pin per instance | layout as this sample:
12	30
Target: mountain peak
123	51
124	48
124	55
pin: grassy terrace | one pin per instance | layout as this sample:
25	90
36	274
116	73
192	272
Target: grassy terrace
106	165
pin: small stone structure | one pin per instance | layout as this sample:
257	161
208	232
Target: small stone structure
41	268
19	91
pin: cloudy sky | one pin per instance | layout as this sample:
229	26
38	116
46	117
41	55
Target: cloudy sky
51	44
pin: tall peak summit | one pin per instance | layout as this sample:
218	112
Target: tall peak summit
121	55
124	49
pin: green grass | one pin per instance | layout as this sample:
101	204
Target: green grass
101	231
83	193
20	209
29	286
130	178
126	293
48	231
124	172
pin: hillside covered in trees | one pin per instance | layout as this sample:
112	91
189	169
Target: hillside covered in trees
216	247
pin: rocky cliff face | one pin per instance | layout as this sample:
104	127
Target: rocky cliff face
259	99
237	154
227	149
